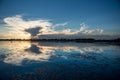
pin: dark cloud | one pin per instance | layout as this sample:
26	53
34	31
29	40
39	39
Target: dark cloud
33	31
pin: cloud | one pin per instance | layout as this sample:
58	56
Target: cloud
20	27
33	31
60	24
19	23
83	27
100	30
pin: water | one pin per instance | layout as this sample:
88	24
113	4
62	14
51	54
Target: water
59	61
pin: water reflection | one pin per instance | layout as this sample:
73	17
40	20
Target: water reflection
43	51
58	61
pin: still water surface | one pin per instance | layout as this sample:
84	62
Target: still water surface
59	61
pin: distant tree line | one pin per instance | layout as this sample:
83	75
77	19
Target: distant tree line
65	40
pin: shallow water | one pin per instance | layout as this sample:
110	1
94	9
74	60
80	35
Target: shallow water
59	61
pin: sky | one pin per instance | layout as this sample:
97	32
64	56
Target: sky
60	19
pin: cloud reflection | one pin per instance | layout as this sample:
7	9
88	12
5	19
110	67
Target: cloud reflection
18	52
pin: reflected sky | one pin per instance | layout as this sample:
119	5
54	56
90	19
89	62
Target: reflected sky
20	59
17	52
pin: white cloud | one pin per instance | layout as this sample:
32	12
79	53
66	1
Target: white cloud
89	31
19	23
61	24
83	27
100	30
18	26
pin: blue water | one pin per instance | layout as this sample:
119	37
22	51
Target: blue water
59	61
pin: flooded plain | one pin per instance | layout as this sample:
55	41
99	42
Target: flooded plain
24	60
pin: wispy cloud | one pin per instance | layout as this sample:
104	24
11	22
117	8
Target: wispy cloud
39	27
83	27
60	24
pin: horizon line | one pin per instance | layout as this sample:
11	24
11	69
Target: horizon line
66	40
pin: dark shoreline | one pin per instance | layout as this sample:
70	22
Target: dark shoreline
63	40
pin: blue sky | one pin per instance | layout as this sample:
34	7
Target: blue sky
103	14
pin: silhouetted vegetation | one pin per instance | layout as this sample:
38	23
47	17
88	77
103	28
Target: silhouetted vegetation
65	40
